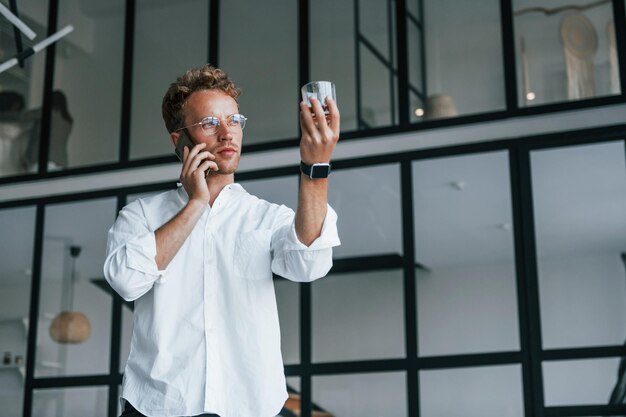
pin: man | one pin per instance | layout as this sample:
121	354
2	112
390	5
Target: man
198	262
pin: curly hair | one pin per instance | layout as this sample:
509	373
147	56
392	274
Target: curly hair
206	77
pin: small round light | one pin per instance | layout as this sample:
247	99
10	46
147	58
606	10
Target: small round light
419	112
530	96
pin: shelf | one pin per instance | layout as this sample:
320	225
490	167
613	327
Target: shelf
15	320
17	368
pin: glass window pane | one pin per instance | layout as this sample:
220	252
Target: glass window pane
71	402
16	259
414	7
371	55
127	334
288	301
332	40
463	55
466	286
377	99
369	223
264	67
179	31
476	392
278	190
369	326
21	90
293	404
85	120
580	218
68	285
357	395
565	55
377	65
417	83
582	382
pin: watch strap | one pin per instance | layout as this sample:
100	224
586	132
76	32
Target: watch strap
314	172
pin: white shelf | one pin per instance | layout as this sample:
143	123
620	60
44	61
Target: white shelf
17	368
7	321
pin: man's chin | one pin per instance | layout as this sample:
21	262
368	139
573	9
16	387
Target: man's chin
226	169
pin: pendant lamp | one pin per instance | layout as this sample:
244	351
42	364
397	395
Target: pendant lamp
70	327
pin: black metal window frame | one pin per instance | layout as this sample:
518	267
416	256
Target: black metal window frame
530	355
400	101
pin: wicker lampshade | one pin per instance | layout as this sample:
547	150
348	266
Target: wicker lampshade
70	327
439	106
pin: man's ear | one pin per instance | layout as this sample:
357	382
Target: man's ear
174	136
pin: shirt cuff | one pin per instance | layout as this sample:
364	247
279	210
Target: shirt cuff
328	238
140	255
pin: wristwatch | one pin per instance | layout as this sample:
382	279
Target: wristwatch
315	171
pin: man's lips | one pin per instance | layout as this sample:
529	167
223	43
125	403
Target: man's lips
227	151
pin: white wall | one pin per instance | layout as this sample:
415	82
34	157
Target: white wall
467	309
583	300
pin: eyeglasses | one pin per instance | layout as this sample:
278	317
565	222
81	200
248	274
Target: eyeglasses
210	124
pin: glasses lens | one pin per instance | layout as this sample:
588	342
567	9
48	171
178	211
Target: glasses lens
210	123
237	119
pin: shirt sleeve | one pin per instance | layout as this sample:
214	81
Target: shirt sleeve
130	266
294	260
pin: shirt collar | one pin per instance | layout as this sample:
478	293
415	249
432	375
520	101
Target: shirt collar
226	192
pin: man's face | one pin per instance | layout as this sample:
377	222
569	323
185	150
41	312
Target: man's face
226	142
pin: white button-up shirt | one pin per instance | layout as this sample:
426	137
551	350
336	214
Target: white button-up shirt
206	337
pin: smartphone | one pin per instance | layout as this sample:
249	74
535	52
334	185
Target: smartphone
183	141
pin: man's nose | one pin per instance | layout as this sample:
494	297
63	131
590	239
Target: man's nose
224	132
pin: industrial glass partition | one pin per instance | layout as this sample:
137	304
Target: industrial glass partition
583	381
74	311
354	46
580	218
477	316
476	391
263	66
465	259
368	223
70	402
85	115
565	51
370	326
455	58
106	79
16	261
21	90
354	395
169	38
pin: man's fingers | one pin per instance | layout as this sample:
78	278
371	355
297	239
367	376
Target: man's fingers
189	154
208	165
306	119
318	110
334	116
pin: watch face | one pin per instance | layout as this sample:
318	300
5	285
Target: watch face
320	170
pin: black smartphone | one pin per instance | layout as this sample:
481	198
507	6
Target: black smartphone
183	140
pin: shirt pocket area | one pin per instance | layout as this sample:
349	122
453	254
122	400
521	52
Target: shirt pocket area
253	258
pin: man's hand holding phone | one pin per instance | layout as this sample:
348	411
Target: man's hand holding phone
196	165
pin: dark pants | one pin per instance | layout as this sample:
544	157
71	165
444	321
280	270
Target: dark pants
129	411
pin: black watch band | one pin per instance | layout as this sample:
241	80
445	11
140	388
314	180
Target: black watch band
315	171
